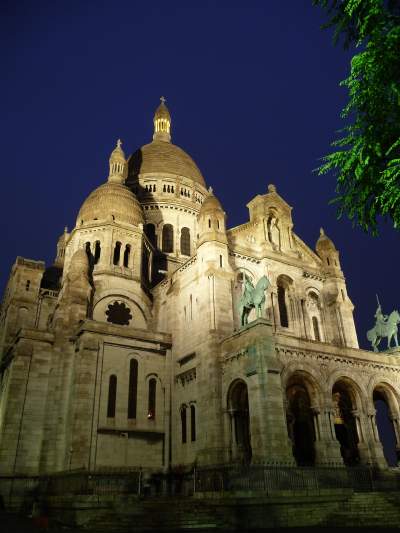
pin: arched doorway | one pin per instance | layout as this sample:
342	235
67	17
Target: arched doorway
345	424
300	422
238	405
384	422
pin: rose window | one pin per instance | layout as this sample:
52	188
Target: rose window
118	313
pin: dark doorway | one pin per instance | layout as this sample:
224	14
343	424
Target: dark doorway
300	422
345	424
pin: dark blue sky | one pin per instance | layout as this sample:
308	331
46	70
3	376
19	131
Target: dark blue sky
253	89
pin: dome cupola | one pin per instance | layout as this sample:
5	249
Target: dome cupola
112	201
327	251
118	166
211	220
162	123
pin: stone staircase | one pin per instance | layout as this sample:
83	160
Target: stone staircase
169	514
292	509
372	509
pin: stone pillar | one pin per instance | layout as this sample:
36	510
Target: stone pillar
373	441
231	433
396	427
327	447
275	446
84	425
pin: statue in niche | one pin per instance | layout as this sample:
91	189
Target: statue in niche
337	411
385	326
274	232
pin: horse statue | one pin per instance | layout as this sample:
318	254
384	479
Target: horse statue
252	297
384	328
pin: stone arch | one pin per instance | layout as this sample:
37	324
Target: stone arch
238	408
302	396
310	375
390	388
273	228
347	400
313	305
358	393
386	422
285	287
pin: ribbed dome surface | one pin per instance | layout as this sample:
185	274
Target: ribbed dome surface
111	200
159	156
211	203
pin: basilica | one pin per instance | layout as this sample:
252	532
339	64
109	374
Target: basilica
143	346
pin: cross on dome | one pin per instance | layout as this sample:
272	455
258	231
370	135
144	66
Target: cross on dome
119	142
163	100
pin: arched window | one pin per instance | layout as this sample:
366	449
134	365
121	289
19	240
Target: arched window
97	252
183	424
150	232
151	412
192	423
132	394
117	253
185	241
168	238
112	396
283	314
28	284
315	324
126	255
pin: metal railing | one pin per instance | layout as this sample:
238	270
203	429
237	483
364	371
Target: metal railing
103	482
270	478
217	479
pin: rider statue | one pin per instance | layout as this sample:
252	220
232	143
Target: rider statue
252	298
385	326
381	319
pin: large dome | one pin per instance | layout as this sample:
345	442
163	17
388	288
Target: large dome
112	201
158	157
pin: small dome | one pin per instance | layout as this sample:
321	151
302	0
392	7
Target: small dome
111	201
324	243
163	157
211	203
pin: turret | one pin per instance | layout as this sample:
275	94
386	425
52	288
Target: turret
162	123
212	242
328	253
118	165
211	221
339	306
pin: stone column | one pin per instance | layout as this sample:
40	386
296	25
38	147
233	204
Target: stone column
274	311
83	425
327	447
274	439
396	426
373	441
231	431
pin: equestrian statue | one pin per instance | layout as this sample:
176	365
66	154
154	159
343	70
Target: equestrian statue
252	297
385	326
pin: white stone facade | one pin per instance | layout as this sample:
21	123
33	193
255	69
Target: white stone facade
129	350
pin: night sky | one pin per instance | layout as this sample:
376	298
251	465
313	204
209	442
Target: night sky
253	90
